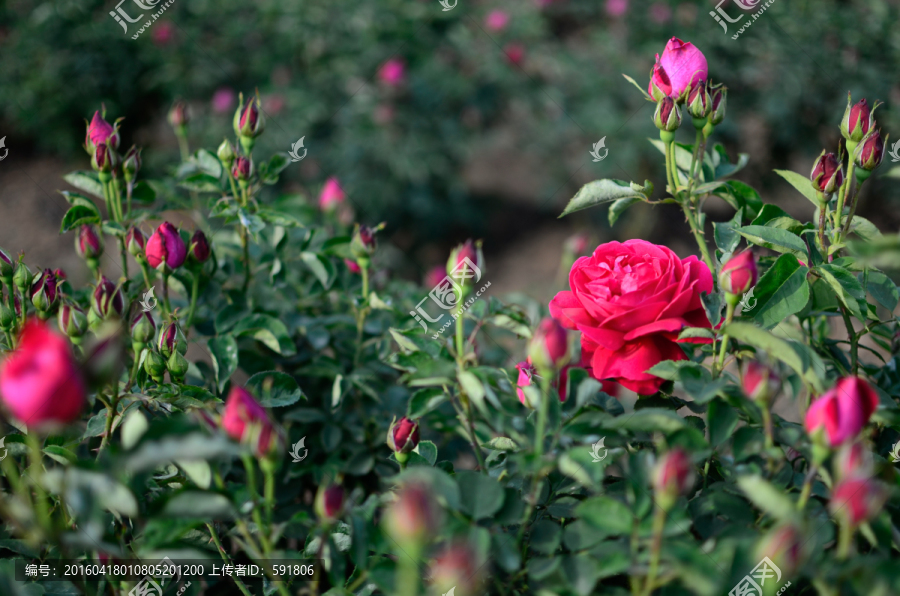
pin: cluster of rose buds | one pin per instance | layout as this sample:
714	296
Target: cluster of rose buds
246	421
171	346
101	141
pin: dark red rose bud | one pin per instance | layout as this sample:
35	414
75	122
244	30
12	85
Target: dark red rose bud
248	119
857	120
414	517
199	250
135	242
672	477
466	263
143	328
131	164
72	321
456	569
7	266
166	248
89	242
330	502
171	339
549	347
245	420
44	295
178	115
827	174
242	169
100	131
739	274
667	116
104	160
107	300
403	437
718	95
760	382
363	244
869	153
699	102
857	500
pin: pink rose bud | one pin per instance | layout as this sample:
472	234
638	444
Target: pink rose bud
44	293
672	477
403	436
131	163
165	248
99	131
526	374
40	382
245	420
104	159
178	115
107	300
143	328
827	173
760	382
577	244
739	274
414	517
222	100
352	266
616	8
136	242
457	566
435	276
854	459
869	153
330	502
843	411
784	547
496	20
89	242
463	261
549	347
515	53
392	72
857	500
718	95
667	116
242	169
699	102
680	66
331	196
72	321
163	34
249	120
171	340
857	120
199	250
7	266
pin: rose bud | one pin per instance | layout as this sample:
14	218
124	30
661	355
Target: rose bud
155	366
739	274
363	244
104	160
242	169
718	94
143	329
392	72
100	131
107	300
199	249
329	504
403	437
178	116
680	66
515	53
760	382
165	248
226	154
131	163
526	374
549	346
89	242
457	566
672	477
435	276
7	267
72	322
784	547
136	242
177	365
857	500
854	459
171	339
857	120
249	122
8	318
842	412
331	196
245	420
827	174
22	277
466	263
667	116
44	293
40	383
869	153
414	517
577	244
699	104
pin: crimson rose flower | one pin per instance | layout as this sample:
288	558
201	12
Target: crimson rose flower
629	301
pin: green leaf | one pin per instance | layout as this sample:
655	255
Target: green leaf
501	444
199	504
76	199
800	361
268	330
883	289
424	401
321	267
269	171
404	342
471	385
86	181
106	490
201	183
191	447
606	514
545	536
722	421
767	497
199	472
208	163
133	428
113	229
618	208
275	389
143	193
599	192
767	214
865	229
648	419
846	287
60	454
725	169
79	215
641	89
741	195
801	183
780	292
427	450
224	352
725	233
774	238
480	496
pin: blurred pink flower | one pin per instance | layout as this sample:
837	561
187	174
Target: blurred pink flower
435	276
332	195
392	72
272	104
515	53
616	8
496	20
163	33
660	13
223	99
352	266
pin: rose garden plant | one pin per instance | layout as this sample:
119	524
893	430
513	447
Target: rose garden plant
671	426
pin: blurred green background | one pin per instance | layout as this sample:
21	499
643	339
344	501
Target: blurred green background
485	134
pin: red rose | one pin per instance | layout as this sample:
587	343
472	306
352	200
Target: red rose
403	435
629	301
40	382
857	500
166	246
843	411
245	420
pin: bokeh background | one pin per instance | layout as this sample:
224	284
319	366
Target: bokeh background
479	126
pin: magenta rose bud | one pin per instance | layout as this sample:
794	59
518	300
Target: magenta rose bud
549	347
739	274
784	547
353	266
496	20
199	250
842	412
857	120
100	131
672	477
526	374
869	153
857	500
72	322
699	103
667	116
827	174
178	115
630	300
403	437
363	243
249	120
457	566
242	169
854	459
44	294
466	263
107	299
718	95
171	339
414	517
246	421
680	66
330	502
89	242
515	53
166	248
143	328
104	160
136	243
435	276
392	72
40	382
331	196
760	382
131	163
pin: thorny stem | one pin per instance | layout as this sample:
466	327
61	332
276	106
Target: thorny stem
362	313
195	290
854	342
226	558
659	524
807	487
471	420
165	284
37	471
729	315
823	207
686	205
245	248
111	414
